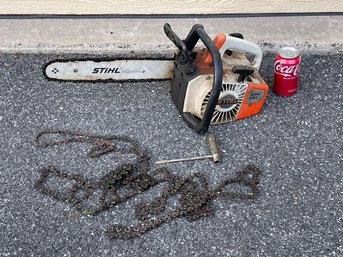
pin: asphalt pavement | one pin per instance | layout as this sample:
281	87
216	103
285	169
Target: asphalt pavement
295	141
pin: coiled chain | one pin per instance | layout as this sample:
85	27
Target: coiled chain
193	194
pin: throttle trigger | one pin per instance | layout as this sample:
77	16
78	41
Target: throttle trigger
236	34
243	71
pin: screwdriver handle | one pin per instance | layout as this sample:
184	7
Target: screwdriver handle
212	145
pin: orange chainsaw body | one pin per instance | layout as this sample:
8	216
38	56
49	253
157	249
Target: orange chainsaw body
248	99
219	83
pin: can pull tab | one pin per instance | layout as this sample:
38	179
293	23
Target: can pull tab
243	71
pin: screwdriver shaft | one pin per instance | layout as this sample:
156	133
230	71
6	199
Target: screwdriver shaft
184	159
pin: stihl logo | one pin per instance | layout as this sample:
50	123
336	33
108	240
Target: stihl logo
227	101
106	70
285	70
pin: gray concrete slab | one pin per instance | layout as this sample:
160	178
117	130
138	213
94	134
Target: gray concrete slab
101	36
296	141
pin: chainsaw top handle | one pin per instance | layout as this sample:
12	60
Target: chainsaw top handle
186	46
236	43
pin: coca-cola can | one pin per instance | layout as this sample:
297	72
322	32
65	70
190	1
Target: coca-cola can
286	71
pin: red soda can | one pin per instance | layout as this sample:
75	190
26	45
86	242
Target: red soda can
286	71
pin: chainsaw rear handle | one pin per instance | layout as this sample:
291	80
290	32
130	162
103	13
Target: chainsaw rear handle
235	43
197	32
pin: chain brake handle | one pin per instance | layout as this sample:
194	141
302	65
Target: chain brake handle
177	42
185	46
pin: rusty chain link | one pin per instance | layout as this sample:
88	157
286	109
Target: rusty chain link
194	196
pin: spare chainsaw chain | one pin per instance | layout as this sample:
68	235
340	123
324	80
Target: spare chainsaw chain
194	196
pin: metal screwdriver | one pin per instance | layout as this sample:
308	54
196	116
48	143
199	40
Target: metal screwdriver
212	145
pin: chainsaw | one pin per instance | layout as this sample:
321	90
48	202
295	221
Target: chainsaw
214	85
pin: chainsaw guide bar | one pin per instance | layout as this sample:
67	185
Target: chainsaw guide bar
113	70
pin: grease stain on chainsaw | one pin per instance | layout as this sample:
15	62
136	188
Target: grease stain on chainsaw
91	197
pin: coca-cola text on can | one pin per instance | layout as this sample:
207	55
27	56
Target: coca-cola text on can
286	71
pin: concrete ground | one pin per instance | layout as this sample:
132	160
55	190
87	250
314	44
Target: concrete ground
296	141
104	36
